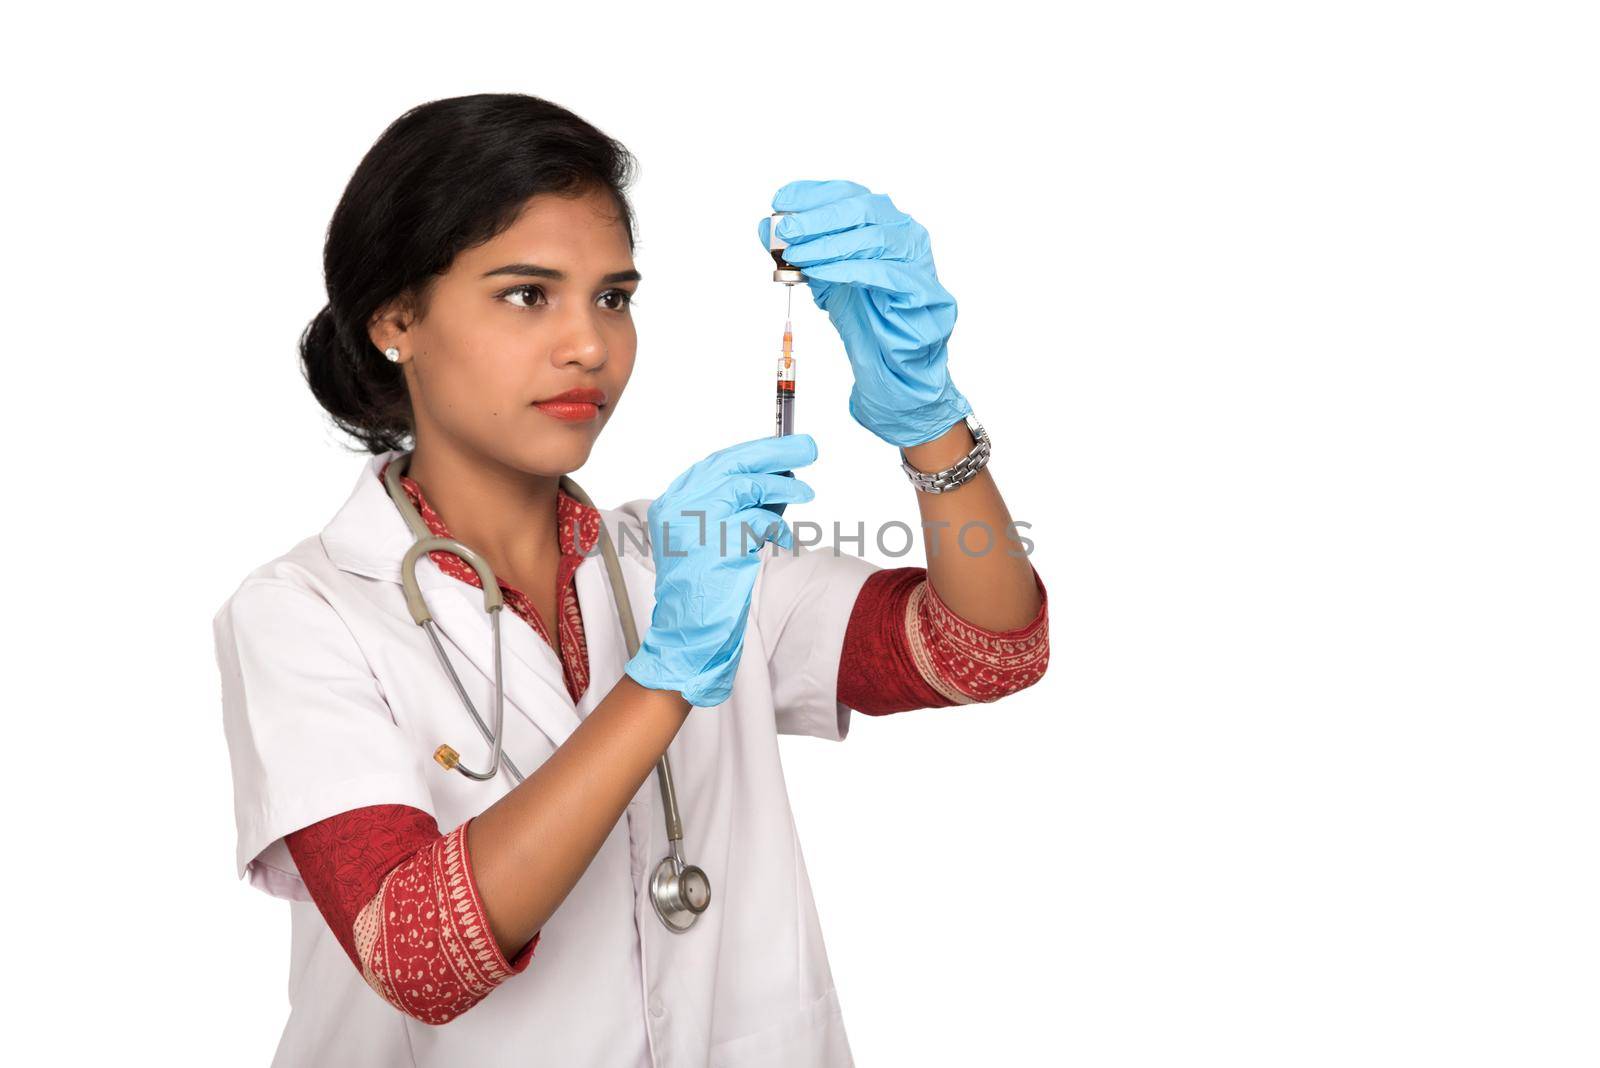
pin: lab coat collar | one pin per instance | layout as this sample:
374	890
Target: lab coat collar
369	537
363	534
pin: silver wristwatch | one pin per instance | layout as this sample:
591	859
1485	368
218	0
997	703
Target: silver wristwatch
957	473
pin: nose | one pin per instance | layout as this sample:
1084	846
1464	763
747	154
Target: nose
581	343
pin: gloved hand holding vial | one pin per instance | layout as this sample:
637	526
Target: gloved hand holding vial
869	265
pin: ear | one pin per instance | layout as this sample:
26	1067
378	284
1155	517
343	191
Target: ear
387	326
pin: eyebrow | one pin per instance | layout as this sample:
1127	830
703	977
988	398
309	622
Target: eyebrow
534	271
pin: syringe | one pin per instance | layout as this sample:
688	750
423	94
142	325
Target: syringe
790	276
785	419
785	397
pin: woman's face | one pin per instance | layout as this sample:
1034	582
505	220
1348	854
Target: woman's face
540	310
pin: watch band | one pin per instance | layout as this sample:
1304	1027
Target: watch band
957	473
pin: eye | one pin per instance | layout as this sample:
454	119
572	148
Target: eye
625	299
522	289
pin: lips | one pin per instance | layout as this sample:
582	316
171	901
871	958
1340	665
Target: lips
575	405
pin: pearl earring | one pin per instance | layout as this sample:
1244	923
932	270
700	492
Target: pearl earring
393	354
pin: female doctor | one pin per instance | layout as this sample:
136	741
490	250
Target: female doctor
479	271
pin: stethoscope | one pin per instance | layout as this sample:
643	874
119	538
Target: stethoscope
679	891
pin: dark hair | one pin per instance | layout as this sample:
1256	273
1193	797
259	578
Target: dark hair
446	176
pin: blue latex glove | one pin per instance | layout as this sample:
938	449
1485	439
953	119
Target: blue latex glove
870	267
705	570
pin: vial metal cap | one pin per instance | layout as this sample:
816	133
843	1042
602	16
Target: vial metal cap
787	273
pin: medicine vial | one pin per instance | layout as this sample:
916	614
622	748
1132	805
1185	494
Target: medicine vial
786	272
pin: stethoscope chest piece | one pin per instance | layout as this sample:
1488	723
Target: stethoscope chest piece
680	892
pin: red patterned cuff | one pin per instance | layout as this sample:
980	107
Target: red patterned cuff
480	916
966	663
524	955
424	941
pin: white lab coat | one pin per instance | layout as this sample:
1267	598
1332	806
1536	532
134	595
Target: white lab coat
333	698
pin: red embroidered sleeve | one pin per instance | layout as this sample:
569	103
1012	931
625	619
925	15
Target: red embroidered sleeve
400	898
904	648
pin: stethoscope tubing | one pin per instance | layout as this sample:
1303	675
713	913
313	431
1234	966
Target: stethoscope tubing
679	891
492	737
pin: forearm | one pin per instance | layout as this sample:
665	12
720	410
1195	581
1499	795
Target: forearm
530	848
982	576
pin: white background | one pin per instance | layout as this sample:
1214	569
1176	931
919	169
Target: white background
1283	319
